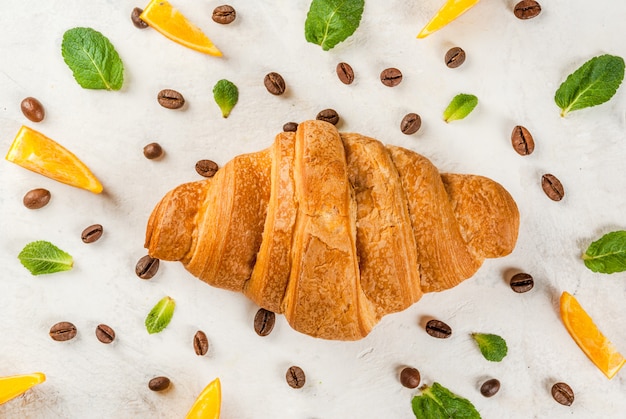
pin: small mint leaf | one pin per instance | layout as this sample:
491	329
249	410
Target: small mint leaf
493	347
460	107
160	315
330	22
437	402
607	255
42	257
226	96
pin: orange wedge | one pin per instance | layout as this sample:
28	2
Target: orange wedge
587	335
11	387
170	22
448	12
34	151
208	403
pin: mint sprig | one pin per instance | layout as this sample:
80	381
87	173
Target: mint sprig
438	402
330	22
460	106
42	257
226	96
160	315
607	255
493	347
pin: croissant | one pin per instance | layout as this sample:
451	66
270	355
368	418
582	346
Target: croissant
334	230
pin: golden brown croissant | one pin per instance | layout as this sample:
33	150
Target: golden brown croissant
333	230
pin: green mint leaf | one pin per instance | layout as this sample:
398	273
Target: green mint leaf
92	59
437	402
493	347
330	22
607	255
160	315
594	83
460	107
42	257
226	96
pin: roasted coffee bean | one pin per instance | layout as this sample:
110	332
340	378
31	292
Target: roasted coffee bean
295	377
345	73
527	9
290	127
522	282
152	151
63	331
274	83
36	198
224	14
264	322
563	394
170	99
552	187
159	384
490	387
200	343
91	233
410	377
134	16
328	115
33	109
104	333
455	57
206	168
522	141
410	124
438	329
391	77
147	267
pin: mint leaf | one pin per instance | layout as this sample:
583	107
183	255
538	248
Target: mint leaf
160	315
330	22
226	96
460	107
437	402
42	257
607	255
493	347
92	59
594	83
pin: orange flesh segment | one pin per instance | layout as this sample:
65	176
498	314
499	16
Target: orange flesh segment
208	403
11	387
451	10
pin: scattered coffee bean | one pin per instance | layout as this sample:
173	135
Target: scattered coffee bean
522	141
36	198
290	127
159	384
527	9
147	267
152	151
63	331
274	83
391	77
490	387
264	322
563	394
410	377
200	343
170	99
410	124
224	14
522	282
328	115
91	233
134	16
345	73
552	187
206	168
295	377
104	333
455	57
33	109
438	329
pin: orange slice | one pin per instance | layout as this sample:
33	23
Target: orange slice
587	335
11	387
34	151
208	403
448	12
170	22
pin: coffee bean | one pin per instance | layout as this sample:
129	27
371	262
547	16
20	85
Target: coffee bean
224	14
527	9
159	384
455	57
264	322
563	394
522	282
36	198
552	187
345	73
410	377
170	99
438	329
200	343
104	333
206	168
274	83
295	377
152	151
490	387
33	109
147	267
410	124
290	127
91	233
63	331
134	16
522	141
328	115
391	77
